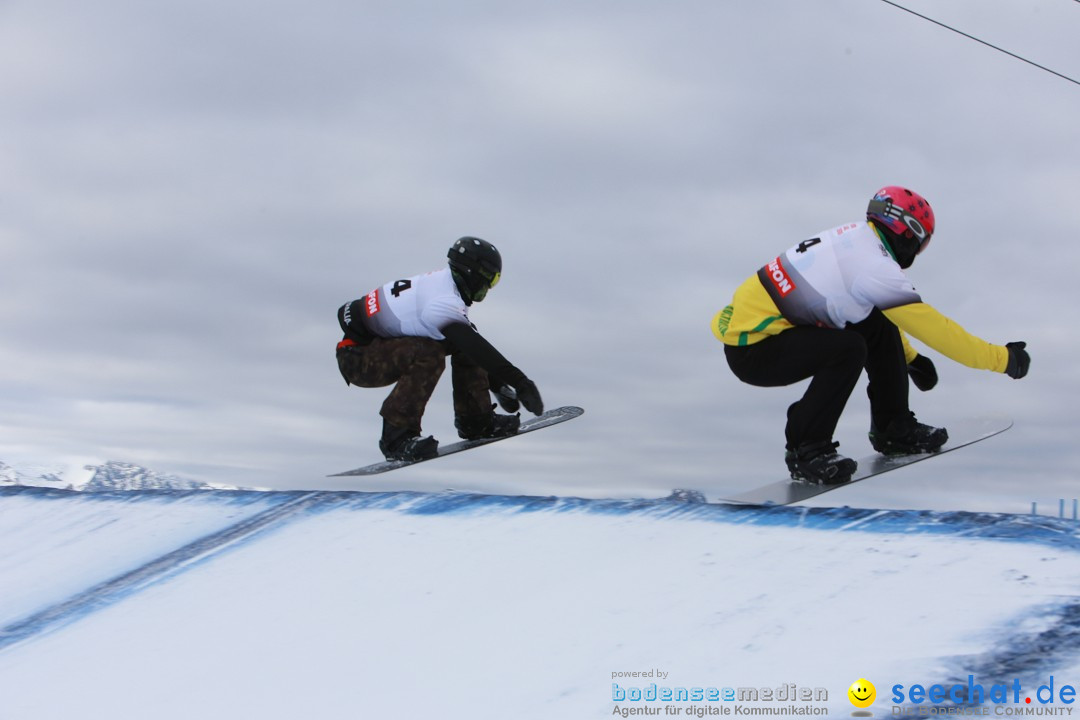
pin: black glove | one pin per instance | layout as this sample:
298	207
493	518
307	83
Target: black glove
507	397
922	372
1019	360
529	396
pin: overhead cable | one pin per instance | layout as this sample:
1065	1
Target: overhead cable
972	37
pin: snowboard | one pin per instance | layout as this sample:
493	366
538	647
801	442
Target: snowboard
786	492
549	418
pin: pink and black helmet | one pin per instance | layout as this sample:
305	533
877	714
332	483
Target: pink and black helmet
904	212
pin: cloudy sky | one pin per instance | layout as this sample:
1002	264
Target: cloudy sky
189	190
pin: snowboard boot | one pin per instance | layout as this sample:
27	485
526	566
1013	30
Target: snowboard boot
819	463
491	425
406	444
907	436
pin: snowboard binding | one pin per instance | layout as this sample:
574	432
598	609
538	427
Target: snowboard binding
819	463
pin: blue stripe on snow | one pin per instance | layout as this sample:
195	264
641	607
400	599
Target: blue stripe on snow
1049	531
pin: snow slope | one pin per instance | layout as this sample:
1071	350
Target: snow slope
220	604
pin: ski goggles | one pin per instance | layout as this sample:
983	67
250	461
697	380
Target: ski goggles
491	275
891	211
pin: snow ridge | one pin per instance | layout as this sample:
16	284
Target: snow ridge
108	546
159	569
1059	533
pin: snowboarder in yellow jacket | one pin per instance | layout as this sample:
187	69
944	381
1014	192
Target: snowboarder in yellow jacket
835	304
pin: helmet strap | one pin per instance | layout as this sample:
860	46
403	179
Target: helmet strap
462	286
898	247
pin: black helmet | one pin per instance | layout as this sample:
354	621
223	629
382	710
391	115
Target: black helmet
475	265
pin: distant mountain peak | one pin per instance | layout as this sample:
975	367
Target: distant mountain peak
115	475
109	476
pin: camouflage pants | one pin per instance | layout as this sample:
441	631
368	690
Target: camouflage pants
413	365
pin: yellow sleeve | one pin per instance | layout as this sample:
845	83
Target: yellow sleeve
929	326
910	353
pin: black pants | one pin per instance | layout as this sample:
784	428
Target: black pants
413	365
833	359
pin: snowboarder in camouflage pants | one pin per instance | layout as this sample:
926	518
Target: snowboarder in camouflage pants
401	333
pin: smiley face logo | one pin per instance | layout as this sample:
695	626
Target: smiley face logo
862	693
